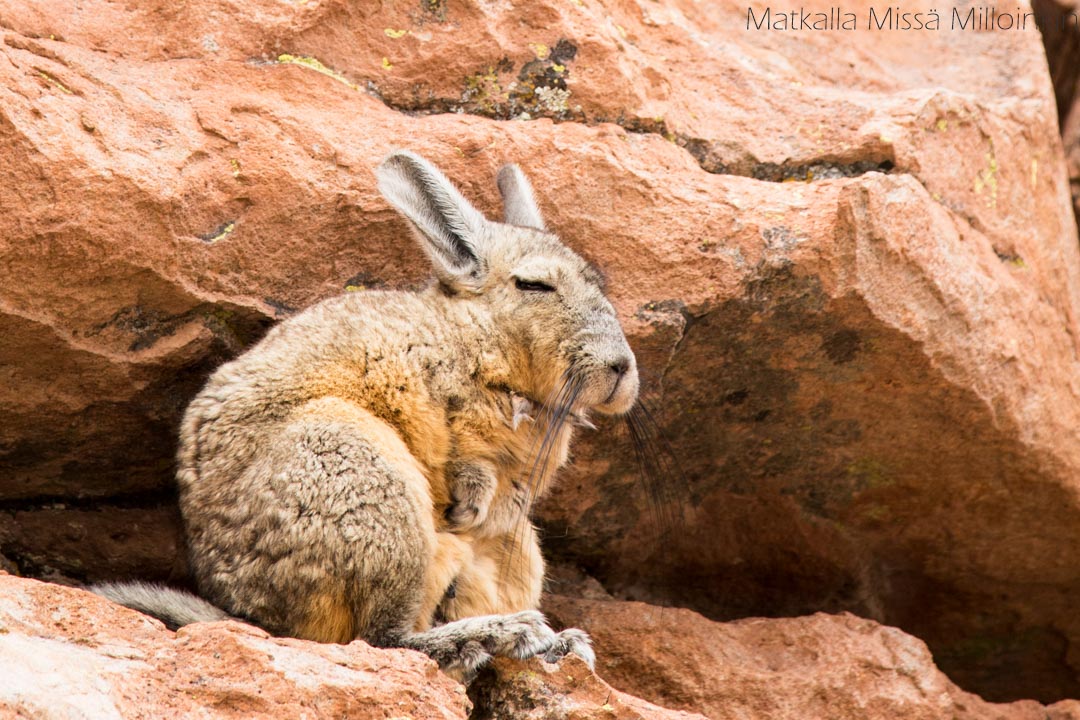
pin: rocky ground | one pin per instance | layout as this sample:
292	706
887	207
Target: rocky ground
65	653
847	261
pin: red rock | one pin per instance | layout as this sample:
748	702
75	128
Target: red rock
871	381
67	653
1061	36
1060	28
834	666
520	690
58	542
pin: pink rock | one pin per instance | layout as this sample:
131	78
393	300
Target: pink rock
535	690
834	666
67	653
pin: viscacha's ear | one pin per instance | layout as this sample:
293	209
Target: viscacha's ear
519	204
449	228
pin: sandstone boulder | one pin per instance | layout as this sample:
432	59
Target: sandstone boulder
65	653
868	374
1061	36
516	690
817	666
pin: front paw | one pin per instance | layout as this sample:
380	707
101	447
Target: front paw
472	489
463	515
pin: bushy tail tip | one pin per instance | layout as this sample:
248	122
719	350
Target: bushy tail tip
175	608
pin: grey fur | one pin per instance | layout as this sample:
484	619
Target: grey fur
447	224
175	608
367	468
519	205
464	645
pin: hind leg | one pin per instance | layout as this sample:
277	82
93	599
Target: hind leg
330	536
493	609
501	574
326	536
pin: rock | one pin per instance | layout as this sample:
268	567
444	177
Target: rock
1060	28
1061	36
65	653
835	666
519	690
7	566
103	542
870	380
1071	132
818	477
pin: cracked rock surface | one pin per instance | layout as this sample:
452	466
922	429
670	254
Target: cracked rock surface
834	666
1062	39
66	653
852	280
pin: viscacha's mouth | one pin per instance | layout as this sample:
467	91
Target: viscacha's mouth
526	409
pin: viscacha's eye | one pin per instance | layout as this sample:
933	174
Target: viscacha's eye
532	285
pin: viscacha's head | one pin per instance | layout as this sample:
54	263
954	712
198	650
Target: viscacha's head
553	322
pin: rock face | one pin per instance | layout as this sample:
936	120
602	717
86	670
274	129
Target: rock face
65	653
835	666
517	690
868	375
1061	35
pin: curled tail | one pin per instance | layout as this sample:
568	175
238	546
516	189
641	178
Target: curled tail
175	608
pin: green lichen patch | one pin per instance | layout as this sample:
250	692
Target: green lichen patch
484	91
432	11
219	233
986	181
869	473
541	87
538	89
52	81
313	64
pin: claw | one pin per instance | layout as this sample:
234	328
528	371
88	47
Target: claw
522	408
582	420
572	641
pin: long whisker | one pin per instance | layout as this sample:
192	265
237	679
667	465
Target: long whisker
551	430
517	537
650	469
559	413
662	478
678	489
548	425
